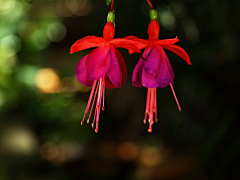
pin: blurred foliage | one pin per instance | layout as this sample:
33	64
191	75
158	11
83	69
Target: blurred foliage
42	103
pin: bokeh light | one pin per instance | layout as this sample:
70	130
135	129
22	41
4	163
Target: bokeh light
178	8
42	103
7	6
166	17
10	45
47	80
18	140
190	29
150	156
56	32
127	151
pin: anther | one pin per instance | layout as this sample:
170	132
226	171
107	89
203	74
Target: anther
92	125
81	122
156	120
144	121
103	108
149	120
87	120
149	130
96	130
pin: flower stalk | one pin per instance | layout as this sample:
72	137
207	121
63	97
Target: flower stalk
112	5
150	4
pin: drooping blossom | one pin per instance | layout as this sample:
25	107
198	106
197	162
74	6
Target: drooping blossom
154	69
103	66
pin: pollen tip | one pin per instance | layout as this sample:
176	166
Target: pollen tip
103	108
87	120
149	130
96	130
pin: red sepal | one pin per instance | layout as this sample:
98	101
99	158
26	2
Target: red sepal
167	41
134	38
87	42
179	51
132	46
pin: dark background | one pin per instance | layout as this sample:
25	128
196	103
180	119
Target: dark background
42	103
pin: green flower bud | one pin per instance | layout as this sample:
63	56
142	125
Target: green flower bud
111	16
153	14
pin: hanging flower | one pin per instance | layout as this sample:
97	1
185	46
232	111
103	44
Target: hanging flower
104	66
154	69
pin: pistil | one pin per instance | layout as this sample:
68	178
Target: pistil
179	107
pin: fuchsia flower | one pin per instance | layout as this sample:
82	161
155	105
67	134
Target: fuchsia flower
154	69
102	67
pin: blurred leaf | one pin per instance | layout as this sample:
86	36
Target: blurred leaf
108	2
28	1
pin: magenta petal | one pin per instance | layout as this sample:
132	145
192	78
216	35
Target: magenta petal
148	80
148	49
165	73
122	65
137	74
81	72
152	60
114	73
97	63
109	84
157	70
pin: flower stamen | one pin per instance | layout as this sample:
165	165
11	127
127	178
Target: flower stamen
103	107
93	99
98	91
89	101
151	108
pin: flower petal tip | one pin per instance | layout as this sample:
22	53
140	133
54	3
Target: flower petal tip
71	51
